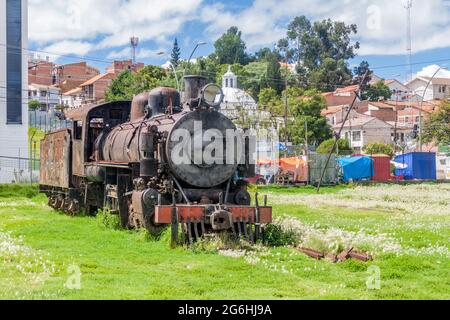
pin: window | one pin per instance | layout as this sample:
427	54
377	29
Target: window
226	83
43	93
14	61
78	130
231	83
356	136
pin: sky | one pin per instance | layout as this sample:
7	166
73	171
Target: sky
99	30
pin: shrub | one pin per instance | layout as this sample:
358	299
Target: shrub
326	146
379	148
108	220
275	236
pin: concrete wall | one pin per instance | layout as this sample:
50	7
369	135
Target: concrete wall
13	138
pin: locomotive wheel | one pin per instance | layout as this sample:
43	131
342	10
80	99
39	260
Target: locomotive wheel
151	226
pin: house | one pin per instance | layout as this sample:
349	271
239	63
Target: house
399	91
361	130
94	90
48	96
438	88
117	67
380	110
341	96
79	71
40	71
73	98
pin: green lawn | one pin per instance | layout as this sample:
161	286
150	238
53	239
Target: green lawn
406	228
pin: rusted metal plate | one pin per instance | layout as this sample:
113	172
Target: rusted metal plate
78	158
312	253
55	159
163	214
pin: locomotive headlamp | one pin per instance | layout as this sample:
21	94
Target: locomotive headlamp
212	95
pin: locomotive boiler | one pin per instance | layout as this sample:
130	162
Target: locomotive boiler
143	160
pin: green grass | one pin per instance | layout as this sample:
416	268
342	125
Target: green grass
117	264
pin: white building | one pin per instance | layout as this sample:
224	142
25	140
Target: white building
436	78
48	96
13	88
235	99
438	88
73	98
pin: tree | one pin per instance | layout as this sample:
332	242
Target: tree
360	71
377	91
305	108
343	146
320	47
330	74
230	48
33	105
437	127
175	56
128	84
379	148
272	78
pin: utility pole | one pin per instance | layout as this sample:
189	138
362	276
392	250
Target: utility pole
306	137
286	104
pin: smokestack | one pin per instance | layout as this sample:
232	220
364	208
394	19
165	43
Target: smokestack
193	85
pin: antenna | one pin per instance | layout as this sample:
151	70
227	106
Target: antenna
134	42
408	5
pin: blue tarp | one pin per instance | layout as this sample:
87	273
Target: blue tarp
357	168
420	166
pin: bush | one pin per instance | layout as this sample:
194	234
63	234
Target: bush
326	146
108	220
275	236
379	148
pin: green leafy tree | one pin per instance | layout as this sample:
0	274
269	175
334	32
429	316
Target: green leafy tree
273	78
33	105
437	127
270	101
306	108
175	56
129	84
330	74
230	48
321	51
379	148
377	91
343	146
360	71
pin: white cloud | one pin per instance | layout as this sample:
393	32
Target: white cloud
67	47
382	23
431	70
109	23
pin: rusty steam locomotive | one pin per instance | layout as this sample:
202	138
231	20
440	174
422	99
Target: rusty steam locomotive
118	156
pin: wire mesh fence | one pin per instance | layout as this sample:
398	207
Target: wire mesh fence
19	170
47	122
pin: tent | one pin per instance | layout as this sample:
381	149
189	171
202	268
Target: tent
297	166
419	166
357	168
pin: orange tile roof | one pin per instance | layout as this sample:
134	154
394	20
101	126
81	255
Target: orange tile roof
97	78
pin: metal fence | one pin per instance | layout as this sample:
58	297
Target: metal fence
19	170
46	121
